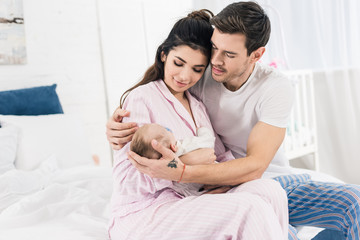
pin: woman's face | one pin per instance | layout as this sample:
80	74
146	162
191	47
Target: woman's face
183	67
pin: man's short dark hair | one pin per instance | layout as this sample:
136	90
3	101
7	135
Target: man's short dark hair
247	18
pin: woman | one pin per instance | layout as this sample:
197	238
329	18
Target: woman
147	208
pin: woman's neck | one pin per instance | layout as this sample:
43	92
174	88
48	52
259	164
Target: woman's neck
182	98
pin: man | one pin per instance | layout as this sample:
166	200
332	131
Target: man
249	105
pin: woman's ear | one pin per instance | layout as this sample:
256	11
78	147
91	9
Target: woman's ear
163	56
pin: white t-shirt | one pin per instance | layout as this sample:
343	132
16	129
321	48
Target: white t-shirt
266	96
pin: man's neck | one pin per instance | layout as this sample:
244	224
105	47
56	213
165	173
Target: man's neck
237	83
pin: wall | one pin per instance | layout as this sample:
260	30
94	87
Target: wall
338	112
63	47
131	31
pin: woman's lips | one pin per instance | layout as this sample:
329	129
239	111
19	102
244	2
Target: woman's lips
180	84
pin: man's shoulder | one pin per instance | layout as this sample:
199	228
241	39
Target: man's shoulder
271	76
266	71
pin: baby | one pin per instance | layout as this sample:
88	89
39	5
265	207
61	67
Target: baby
141	144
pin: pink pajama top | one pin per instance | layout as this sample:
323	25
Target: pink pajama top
154	103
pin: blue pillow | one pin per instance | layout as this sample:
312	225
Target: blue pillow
30	101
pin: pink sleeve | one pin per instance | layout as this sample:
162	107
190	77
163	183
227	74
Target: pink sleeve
124	172
132	182
222	155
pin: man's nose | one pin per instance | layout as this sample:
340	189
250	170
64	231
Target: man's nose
217	58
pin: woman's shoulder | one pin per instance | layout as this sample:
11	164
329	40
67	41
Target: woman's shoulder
143	88
144	91
144	94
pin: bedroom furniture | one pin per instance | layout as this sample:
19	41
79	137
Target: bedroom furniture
301	135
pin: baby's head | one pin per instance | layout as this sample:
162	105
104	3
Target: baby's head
141	142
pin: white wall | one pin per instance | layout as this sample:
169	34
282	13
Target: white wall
131	31
63	47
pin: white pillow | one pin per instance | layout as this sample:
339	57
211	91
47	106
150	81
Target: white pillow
45	135
8	143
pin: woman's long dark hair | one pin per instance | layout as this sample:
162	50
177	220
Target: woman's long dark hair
194	31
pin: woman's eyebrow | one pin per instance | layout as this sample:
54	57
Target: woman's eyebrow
198	65
180	59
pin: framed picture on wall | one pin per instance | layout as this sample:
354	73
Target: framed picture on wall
12	32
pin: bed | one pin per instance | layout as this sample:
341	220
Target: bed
50	185
54	203
54	188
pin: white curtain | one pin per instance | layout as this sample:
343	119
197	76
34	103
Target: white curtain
323	36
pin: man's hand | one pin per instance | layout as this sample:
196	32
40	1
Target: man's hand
215	189
167	167
199	156
118	133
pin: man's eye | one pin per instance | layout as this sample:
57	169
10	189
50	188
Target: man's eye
229	55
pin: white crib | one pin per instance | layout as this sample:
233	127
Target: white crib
301	134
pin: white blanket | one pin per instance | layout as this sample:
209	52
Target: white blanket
61	204
52	203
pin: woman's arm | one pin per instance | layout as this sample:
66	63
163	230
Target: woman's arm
131	180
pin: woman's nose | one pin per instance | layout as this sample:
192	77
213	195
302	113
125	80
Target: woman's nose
185	74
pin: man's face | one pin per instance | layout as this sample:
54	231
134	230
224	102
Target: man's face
229	61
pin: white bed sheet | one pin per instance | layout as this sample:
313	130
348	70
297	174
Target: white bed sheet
53	203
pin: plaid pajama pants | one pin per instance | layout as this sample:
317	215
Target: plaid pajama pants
322	204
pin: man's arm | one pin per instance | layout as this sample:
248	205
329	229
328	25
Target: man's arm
118	133
263	143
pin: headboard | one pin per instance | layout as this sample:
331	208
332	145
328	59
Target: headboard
301	134
85	100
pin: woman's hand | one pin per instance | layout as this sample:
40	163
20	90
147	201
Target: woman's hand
199	156
119	134
169	166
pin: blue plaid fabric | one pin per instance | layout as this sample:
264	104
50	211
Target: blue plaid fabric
321	204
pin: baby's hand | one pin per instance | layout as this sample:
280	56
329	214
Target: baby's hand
199	156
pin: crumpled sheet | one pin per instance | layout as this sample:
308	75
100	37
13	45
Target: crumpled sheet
52	203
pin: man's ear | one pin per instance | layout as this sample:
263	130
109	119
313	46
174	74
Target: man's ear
257	54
